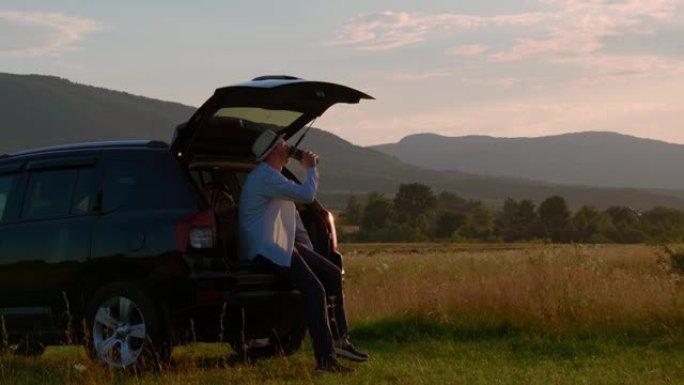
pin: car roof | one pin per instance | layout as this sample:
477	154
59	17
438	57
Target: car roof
111	144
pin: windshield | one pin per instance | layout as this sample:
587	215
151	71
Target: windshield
276	120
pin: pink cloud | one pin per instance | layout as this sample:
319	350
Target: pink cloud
501	83
651	8
522	19
468	50
657	9
381	31
55	32
418	76
614	69
584	25
577	27
576	42
387	30
578	39
569	33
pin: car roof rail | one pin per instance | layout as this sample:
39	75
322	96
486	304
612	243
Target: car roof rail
93	145
157	144
276	77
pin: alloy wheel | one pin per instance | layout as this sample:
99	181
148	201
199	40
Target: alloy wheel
119	332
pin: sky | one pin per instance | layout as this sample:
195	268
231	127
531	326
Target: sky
504	68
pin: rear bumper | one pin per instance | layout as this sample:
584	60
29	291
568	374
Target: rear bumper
226	307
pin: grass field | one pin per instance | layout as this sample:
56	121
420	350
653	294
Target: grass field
459	314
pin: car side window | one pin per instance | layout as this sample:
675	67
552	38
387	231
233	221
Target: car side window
85	192
6	184
49	194
59	193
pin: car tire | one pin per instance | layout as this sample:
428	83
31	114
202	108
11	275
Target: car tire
284	344
125	328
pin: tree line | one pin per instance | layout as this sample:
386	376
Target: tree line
417	214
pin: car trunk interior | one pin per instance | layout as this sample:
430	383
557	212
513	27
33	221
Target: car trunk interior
220	184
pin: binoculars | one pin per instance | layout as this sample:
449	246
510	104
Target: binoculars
297	154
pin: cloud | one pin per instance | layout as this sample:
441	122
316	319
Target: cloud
468	50
388	30
36	34
584	24
576	26
500	83
607	68
579	40
382	31
565	32
659	9
417	76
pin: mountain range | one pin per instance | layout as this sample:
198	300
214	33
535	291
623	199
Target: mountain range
586	158
42	110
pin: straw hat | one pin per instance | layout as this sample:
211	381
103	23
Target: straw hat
264	144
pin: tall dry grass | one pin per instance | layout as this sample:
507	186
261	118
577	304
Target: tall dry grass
547	288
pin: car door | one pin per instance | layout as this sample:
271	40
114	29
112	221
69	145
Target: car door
45	246
227	124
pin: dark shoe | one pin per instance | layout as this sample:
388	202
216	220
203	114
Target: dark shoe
331	365
345	349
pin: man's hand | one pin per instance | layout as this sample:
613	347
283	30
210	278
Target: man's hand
309	159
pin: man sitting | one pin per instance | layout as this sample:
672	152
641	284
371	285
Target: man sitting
268	223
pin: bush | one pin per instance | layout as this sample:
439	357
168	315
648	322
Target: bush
673	260
392	232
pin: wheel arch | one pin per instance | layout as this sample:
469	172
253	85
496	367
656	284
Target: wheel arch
99	275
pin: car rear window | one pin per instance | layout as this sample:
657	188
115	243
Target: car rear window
275	120
121	181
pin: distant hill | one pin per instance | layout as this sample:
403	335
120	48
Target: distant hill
43	110
347	168
587	158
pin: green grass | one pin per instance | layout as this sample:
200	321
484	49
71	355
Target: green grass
503	314
405	350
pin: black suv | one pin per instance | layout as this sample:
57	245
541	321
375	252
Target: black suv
131	247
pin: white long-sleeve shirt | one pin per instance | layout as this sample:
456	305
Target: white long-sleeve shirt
268	216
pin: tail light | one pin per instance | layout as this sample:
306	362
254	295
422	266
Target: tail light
197	231
333	231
